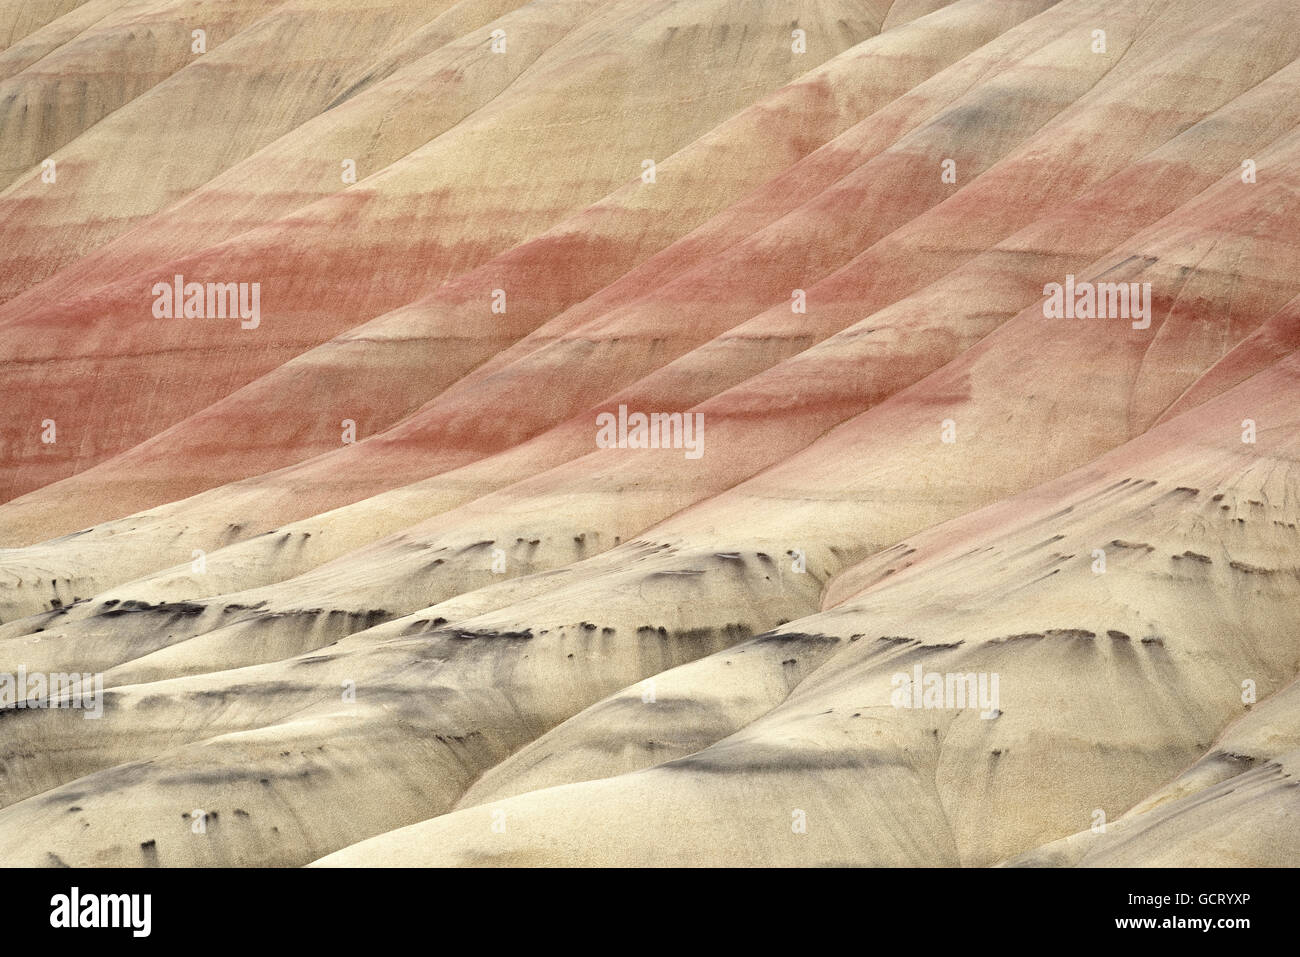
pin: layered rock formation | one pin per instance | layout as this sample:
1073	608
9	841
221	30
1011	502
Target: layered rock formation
918	571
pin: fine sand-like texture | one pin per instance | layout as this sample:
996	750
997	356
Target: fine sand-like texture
966	332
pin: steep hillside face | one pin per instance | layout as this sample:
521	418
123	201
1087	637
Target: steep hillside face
966	336
437	210
454	329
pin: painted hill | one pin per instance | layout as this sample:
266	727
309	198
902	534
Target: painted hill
924	572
